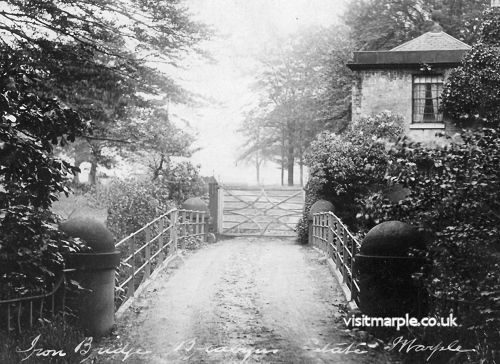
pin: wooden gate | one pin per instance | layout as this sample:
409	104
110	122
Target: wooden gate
259	210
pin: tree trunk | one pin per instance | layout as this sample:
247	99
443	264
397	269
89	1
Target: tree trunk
301	163
283	158
157	170
257	166
81	154
290	165
76	176
290	158
95	153
93	171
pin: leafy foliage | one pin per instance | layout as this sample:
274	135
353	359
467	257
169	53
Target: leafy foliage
31	251
132	204
31	126
346	167
31	177
384	24
67	69
471	93
159	139
454	194
98	57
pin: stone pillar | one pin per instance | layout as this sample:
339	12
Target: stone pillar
213	204
95	272
384	271
318	206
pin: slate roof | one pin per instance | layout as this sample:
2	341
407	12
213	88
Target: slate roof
432	41
434	47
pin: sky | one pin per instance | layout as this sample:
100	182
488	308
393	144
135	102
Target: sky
243	28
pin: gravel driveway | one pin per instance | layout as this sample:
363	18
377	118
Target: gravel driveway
250	300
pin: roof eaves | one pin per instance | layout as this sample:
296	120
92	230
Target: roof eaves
400	59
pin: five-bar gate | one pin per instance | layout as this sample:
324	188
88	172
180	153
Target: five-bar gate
258	210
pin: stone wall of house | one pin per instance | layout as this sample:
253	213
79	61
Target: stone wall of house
381	89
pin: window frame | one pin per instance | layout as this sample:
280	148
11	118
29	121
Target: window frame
438	122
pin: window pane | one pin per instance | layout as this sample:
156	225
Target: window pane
426	98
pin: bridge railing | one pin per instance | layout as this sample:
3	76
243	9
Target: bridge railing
21	313
153	245
142	253
331	236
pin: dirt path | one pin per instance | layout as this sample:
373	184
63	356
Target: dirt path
241	295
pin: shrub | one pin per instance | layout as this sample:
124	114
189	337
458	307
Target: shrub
132	204
183	181
472	91
453	194
344	168
31	251
454	197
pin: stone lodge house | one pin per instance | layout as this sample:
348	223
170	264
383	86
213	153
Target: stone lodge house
408	80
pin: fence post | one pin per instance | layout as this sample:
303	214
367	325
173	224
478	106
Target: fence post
174	224
344	255
313	231
220	209
204	229
197	225
353	253
338	242
324	231
180	223
213	205
131	283
310	230
321	230
147	253
330	249
161	255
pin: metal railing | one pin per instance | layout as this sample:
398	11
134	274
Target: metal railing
331	236
142	252
152	245
21	313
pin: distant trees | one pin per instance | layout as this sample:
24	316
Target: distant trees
384	24
261	141
305	86
296	98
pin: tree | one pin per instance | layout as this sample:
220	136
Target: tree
67	69
300	94
258	146
156	139
101	56
472	91
31	176
384	24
